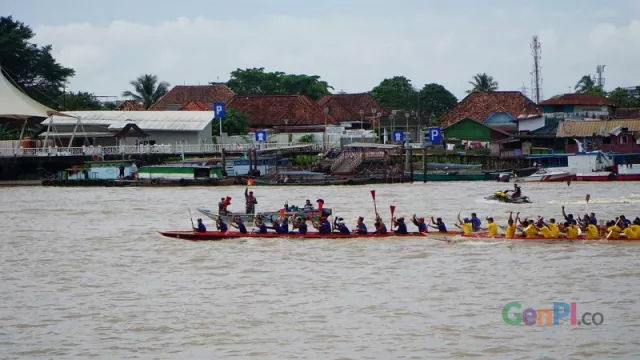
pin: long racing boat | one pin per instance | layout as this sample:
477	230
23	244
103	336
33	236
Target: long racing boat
485	238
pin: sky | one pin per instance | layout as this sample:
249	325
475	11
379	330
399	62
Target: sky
351	44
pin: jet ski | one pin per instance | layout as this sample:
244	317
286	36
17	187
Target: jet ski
504	197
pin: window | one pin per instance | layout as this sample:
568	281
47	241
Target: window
606	140
623	139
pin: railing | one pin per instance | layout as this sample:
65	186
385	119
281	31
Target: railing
142	149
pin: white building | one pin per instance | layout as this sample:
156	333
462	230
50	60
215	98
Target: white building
111	128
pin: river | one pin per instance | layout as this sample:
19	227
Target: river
84	274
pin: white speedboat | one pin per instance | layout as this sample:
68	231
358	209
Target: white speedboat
547	175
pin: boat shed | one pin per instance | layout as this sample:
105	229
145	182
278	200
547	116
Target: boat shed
111	128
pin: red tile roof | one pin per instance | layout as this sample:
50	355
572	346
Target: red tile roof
578	99
479	105
180	95
195	106
346	107
272	110
129	105
628	113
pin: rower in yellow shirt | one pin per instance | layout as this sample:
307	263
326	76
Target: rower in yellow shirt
553	227
544	230
492	227
531	231
466	226
636	228
629	233
510	231
613	230
592	231
572	231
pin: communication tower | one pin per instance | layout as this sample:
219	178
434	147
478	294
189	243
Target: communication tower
536	73
599	78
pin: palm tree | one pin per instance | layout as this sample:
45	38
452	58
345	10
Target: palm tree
147	90
585	85
483	82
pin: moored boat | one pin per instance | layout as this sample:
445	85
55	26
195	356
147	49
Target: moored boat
547	175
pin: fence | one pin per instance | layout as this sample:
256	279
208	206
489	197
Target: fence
144	149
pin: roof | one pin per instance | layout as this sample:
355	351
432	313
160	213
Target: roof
578	99
588	128
271	110
180	95
195	106
346	107
131	130
550	128
130	105
479	105
145	120
79	134
628	113
491	128
15	103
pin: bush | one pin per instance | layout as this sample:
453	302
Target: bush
306	160
307	139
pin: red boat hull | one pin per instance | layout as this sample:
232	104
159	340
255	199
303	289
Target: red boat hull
484	237
608	177
217	235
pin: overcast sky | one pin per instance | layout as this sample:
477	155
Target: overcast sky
351	44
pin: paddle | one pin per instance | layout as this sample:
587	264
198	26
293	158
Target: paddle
611	232
373	196
393	209
191	217
281	214
586	199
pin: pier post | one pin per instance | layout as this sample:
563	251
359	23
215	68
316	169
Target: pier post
411	165
424	165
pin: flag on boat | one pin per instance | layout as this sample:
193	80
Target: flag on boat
249	182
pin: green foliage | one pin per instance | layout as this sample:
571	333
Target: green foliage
586	84
305	160
79	101
307	139
289	138
7	133
436	100
396	93
482	82
31	66
233	123
147	89
624	99
256	81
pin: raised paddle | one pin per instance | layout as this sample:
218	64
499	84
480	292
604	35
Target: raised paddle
373	196
191	217
393	209
586	199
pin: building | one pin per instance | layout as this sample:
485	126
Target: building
352	109
288	111
496	109
130	105
110	128
621	136
181	95
578	107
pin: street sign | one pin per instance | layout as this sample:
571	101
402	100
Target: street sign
261	136
218	108
398	136
435	135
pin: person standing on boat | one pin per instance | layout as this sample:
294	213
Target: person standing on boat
361	228
419	222
439	224
402	227
239	224
251	201
220	225
222	207
200	227
475	222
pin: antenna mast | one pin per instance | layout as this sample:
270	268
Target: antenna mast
599	78
536	73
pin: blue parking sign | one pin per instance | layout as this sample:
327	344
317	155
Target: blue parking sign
219	110
398	136
435	135
261	136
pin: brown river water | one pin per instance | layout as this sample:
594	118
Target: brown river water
84	274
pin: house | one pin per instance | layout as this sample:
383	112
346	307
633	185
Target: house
496	109
351	109
269	111
110	128
621	136
578	106
181	95
471	130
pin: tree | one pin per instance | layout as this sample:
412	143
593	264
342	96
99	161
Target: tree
256	81
33	68
147	90
436	100
483	82
624	98
79	101
585	85
396	93
233	123
7	133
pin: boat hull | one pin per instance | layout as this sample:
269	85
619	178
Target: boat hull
484	237
547	177
217	235
452	176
